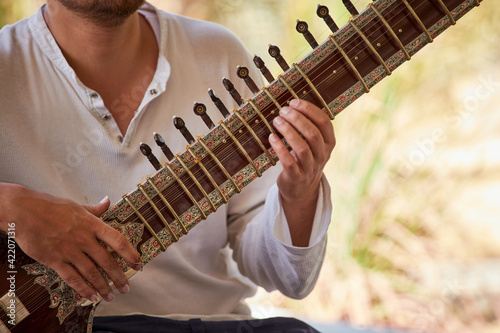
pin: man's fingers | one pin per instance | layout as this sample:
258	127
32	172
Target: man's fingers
73	278
99	208
71	243
110	266
317	116
288	162
296	142
91	273
103	258
118	242
309	131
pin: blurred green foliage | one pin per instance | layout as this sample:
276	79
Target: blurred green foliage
11	11
4	11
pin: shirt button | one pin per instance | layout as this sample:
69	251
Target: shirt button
106	117
153	91
120	138
94	95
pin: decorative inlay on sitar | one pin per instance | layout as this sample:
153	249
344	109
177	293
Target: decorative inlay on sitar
221	163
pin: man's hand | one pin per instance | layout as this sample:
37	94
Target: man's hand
65	236
303	166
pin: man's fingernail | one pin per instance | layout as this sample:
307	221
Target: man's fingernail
94	298
284	110
273	138
294	103
125	289
137	267
278	121
104	200
110	297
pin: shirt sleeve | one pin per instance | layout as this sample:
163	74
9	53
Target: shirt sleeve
261	242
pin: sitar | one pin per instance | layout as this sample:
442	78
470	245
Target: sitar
193	184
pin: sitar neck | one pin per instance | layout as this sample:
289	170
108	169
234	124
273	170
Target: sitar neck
220	164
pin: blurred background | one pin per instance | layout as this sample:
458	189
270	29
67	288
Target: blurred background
415	237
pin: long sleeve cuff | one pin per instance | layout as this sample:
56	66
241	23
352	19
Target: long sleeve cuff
265	254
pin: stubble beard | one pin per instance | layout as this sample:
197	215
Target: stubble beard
105	13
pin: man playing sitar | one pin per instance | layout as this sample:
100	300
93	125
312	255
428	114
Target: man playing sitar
83	83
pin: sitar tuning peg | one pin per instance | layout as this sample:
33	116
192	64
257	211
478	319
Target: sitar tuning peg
324	13
164	148
201	110
350	7
263	69
303	28
275	52
232	91
218	103
181	126
243	73
146	151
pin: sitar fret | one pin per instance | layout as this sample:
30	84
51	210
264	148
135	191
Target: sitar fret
243	150
256	138
157	210
197	183
146	223
261	115
186	191
447	11
285	95
219	164
350	63
313	88
271	97
370	46
290	92
417	18
208	175
170	208
288	87
390	30
301	88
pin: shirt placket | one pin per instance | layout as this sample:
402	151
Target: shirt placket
101	112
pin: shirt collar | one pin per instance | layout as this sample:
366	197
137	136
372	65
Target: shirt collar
47	44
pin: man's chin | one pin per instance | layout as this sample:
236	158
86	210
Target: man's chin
106	13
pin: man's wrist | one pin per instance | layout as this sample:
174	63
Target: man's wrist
305	199
299	214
